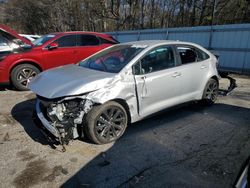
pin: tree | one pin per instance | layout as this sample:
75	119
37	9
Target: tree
45	16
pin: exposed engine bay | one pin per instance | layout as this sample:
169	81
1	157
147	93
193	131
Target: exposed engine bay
66	116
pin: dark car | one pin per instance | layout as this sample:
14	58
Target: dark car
20	60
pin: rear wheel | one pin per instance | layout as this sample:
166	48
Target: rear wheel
21	75
106	123
210	92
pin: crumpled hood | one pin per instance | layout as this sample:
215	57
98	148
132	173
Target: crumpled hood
68	80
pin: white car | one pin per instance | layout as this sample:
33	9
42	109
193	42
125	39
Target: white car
30	37
120	85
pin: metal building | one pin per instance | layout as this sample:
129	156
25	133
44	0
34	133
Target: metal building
231	42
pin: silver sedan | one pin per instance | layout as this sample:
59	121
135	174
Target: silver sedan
120	85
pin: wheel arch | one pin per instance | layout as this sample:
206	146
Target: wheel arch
209	101
215	78
212	76
125	106
25	62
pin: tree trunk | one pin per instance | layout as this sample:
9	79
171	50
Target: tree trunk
203	8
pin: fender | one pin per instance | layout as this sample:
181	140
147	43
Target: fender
209	76
25	60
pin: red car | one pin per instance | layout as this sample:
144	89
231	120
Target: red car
20	60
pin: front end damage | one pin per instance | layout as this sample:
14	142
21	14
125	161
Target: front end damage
62	104
63	118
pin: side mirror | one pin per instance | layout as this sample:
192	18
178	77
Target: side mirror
53	45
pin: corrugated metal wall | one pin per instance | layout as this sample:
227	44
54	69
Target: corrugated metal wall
232	42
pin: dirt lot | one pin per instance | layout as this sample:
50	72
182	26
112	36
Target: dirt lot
187	146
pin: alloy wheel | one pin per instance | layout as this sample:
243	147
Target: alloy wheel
110	124
212	91
24	76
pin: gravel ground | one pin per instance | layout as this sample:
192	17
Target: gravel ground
186	146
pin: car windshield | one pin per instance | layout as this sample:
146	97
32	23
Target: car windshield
40	41
112	59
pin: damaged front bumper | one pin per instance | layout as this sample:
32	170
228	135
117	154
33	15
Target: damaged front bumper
48	125
61	120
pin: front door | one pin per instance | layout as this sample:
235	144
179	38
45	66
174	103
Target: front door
64	54
157	80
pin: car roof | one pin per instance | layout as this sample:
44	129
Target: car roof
103	35
154	43
157	42
80	32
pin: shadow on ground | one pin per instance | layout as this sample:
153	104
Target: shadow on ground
186	146
191	146
23	112
6	87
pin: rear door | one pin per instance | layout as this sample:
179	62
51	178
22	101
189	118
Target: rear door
64	54
194	67
88	44
157	80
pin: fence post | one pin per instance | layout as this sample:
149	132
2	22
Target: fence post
116	35
167	34
245	58
138	35
210	38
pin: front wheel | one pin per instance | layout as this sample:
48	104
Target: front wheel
106	123
21	75
210	92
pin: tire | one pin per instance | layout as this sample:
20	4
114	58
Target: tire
21	75
210	92
100	124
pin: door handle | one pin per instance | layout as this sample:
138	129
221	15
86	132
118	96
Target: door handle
148	79
176	74
144	87
203	66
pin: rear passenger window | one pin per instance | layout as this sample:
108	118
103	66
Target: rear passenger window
104	41
87	40
158	59
201	55
191	54
67	41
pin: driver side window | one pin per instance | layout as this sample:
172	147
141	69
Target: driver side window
67	41
157	59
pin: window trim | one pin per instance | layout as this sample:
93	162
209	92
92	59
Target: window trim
139	60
